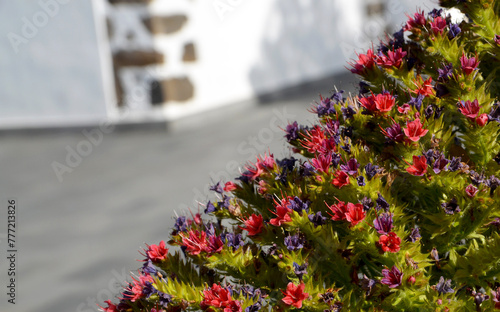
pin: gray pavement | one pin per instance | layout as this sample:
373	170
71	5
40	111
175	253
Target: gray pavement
78	238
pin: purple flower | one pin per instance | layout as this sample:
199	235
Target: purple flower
429	111
250	292
337	96
393	277
454	31
225	202
307	169
361	181
210	207
234	240
210	229
435	13
476	178
317	219
431	156
351	168
254	307
148	267
445	73
367	284
417	101
414	235
444	286
287	163
399	39
440	164
494	114
293	242
325	107
493	182
455	164
346	148
292	132
336	159
394	133
367	203
298	205
165	299
382	203
300	270
371	171
180	224
451	207
383	223
148	289
217	188
347	112
479	298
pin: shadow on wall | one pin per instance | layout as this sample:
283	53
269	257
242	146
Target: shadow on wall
303	49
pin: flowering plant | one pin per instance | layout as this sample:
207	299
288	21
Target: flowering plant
390	202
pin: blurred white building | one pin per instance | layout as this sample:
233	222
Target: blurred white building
81	62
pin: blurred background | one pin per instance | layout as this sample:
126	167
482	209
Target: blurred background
117	115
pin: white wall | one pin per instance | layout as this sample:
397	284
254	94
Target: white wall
60	74
51	67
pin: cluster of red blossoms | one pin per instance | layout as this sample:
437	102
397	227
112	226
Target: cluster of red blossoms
219	297
415	149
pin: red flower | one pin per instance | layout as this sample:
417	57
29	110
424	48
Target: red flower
404	109
469	64
469	109
378	103
282	213
134	289
341	179
393	58
314	140
438	25
322	162
414	130
230	186
233	306
157	252
196	242
366	61
216	296
355	213
384	102
111	307
294	295
254	224
368	103
471	190
261	165
418	20
419	167
424	88
482	119
339	211
214	244
390	242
